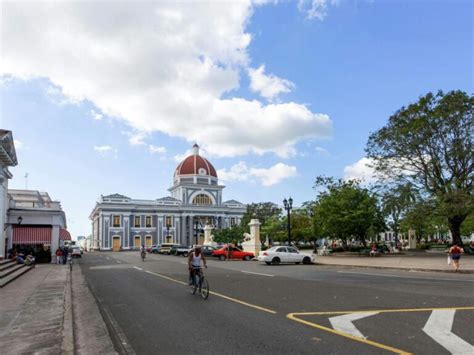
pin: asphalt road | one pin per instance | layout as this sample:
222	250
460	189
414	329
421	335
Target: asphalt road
285	309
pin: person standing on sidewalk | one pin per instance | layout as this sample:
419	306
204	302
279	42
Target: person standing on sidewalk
455	252
59	256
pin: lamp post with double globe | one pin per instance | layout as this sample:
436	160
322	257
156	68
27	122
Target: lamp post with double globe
288	204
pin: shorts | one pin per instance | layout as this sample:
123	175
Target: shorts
456	256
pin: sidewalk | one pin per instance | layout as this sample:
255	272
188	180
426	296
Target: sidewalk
422	262
37	316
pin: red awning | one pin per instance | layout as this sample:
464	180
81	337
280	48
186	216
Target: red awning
31	235
64	234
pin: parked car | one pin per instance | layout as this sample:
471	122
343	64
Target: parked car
155	249
236	253
76	251
207	250
180	250
282	254
166	248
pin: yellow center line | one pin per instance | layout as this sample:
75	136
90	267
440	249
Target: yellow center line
386	311
217	294
293	316
361	340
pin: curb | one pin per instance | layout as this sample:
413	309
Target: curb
67	343
398	268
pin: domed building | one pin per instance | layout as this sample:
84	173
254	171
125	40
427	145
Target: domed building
122	223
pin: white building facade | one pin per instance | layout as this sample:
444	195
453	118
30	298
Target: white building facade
7	159
123	223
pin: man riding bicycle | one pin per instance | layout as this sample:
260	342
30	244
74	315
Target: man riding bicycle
194	262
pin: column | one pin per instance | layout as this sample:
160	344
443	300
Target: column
54	243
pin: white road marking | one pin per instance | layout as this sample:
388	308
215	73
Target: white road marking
439	327
109	267
182	262
257	273
402	277
119	262
107	258
138	268
344	323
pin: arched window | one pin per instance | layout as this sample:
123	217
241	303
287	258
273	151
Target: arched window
202	200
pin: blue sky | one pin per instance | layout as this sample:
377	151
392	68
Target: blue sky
100	104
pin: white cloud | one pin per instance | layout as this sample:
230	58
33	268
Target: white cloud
156	150
166	67
18	144
322	151
96	115
315	9
266	176
105	150
268	86
137	138
360	170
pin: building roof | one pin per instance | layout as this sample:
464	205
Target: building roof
7	148
194	164
117	196
232	202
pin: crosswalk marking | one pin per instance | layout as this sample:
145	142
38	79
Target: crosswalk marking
439	327
344	323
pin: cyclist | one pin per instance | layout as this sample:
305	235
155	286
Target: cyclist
194	262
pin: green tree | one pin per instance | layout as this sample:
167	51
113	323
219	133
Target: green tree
396	202
430	145
233	235
263	211
345	210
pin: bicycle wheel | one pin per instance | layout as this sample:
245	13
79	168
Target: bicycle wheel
204	288
194	285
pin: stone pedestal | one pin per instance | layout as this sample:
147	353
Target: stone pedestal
208	238
253	245
411	239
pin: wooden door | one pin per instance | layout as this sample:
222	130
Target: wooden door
116	245
137	242
148	240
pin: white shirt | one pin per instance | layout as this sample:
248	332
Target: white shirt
196	261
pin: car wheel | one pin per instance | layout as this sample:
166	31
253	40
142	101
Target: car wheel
306	260
275	261
185	254
246	258
268	263
222	257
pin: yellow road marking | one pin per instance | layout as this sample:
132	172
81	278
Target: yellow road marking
217	294
293	316
365	341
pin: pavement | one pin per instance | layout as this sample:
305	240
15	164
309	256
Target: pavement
49	310
416	261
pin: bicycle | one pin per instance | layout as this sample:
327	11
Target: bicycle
143	255
201	284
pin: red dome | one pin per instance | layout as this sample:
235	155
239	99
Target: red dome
195	165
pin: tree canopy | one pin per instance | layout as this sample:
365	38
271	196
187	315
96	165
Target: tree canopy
345	210
429	144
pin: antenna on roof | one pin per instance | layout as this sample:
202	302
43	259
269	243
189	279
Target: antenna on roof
195	149
26	181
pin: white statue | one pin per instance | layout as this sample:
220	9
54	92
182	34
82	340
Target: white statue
247	237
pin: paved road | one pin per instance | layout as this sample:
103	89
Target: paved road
284	309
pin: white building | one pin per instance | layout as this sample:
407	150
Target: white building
120	222
7	159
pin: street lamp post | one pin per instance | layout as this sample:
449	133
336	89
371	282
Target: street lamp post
196	225
288	204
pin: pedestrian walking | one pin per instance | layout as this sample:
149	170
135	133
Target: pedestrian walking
59	256
455	253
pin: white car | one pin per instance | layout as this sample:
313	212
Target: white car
76	252
282	254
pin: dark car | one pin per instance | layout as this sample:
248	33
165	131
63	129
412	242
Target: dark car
207	250
155	249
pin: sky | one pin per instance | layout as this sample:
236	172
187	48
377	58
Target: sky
108	97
